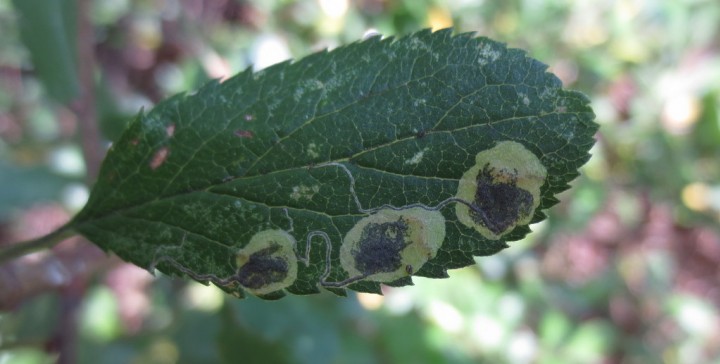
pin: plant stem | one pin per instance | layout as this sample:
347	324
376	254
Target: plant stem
44	242
84	105
22	344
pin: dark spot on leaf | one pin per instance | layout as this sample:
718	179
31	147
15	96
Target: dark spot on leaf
159	158
379	248
500	199
262	268
244	133
420	134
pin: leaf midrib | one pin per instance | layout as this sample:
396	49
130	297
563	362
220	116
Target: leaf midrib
207	189
255	163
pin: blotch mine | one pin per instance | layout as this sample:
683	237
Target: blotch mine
263	268
503	187
392	244
497	191
268	263
380	246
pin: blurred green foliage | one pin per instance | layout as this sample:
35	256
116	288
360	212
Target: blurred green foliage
624	270
47	29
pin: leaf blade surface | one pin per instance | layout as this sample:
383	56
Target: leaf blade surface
314	146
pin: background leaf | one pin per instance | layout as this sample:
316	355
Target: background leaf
47	28
194	179
27	186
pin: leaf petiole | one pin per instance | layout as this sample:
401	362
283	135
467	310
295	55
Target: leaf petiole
29	246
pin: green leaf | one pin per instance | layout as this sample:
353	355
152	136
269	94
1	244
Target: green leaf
47	28
345	169
26	186
238	344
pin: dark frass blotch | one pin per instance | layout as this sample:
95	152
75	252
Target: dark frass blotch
392	244
501	200
262	268
501	191
379	248
267	263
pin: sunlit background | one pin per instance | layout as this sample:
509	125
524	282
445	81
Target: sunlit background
626	269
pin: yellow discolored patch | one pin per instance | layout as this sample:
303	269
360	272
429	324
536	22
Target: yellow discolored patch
392	244
268	263
503	187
